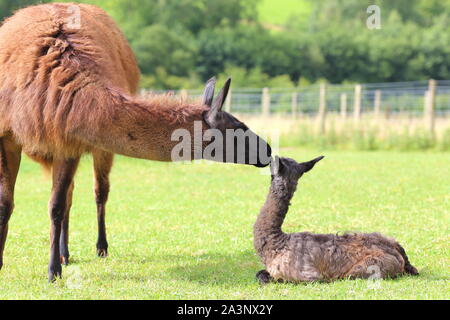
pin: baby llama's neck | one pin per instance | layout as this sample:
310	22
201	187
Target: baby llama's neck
267	229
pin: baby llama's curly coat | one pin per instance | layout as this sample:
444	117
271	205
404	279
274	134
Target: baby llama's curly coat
306	256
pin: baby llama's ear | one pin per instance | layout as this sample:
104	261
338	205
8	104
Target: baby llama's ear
306	166
208	94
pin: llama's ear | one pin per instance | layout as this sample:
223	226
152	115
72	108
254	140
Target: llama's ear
221	97
208	94
306	166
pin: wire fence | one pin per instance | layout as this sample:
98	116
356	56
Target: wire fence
409	98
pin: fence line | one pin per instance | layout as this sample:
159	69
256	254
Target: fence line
427	99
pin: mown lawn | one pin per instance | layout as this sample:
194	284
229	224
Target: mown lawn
179	231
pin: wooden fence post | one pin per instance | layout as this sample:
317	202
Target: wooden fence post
377	103
429	105
357	104
322	107
265	102
294	104
343	105
228	101
183	94
426	108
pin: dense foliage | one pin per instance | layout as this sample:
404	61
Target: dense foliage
180	43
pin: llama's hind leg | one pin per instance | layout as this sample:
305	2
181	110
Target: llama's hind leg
409	268
10	154
62	175
377	267
103	162
64	238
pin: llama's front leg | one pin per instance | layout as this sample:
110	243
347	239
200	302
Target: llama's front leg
103	162
63	173
10	154
264	277
64	238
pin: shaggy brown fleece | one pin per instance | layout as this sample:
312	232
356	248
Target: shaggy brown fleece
306	256
66	91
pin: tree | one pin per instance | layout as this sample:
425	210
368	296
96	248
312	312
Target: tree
158	47
7	7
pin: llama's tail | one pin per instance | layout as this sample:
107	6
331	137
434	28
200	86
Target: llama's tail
409	268
45	162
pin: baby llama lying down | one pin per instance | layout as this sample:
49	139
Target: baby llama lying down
306	256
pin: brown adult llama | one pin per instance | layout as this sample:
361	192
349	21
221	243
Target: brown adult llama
67	91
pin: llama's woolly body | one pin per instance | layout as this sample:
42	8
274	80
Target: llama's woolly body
66	91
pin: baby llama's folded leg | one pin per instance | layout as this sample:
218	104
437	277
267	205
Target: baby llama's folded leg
264	277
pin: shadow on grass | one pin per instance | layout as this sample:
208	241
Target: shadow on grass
207	268
212	269
216	269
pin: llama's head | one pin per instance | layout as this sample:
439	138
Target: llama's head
290	170
236	141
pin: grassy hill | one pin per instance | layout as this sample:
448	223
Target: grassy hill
277	12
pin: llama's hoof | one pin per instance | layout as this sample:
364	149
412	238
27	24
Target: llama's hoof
64	255
263	277
64	260
1	265
102	253
54	272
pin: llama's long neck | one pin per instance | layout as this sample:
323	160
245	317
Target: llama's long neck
120	124
267	229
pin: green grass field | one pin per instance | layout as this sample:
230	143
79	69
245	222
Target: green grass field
180	231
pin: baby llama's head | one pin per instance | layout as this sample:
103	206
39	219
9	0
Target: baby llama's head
289	170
